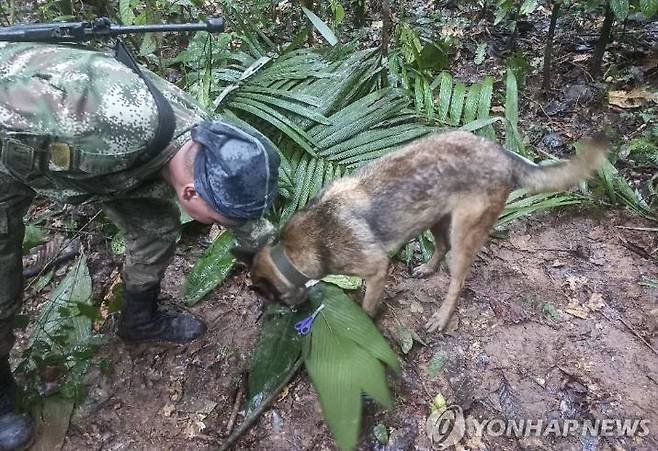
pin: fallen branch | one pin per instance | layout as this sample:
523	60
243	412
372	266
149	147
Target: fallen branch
251	419
641	229
236	405
629	327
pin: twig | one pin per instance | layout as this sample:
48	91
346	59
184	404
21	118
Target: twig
630	328
642	229
62	247
637	249
652	378
236	405
623	321
251	419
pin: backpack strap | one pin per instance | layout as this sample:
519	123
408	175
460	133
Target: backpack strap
166	118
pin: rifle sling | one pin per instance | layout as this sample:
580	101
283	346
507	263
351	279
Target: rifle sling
166	118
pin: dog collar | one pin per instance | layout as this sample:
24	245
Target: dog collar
285	267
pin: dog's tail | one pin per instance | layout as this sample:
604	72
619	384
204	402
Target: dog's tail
564	174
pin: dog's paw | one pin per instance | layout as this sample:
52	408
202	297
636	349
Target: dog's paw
437	322
423	270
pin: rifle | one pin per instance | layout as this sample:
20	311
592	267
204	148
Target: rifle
99	28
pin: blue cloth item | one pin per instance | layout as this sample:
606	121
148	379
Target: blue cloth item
236	169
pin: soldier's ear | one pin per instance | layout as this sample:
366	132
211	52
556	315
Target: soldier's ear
244	256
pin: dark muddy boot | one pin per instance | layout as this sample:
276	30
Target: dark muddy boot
141	321
16	431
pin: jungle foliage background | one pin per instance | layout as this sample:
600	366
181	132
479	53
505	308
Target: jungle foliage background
335	84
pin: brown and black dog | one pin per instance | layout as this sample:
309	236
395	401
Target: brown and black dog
454	184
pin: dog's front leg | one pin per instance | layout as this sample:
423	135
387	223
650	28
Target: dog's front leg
374	290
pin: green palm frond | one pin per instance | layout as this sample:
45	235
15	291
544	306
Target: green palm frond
321	109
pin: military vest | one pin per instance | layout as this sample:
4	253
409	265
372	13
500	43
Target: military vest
76	122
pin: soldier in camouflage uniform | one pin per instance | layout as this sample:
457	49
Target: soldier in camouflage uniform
75	125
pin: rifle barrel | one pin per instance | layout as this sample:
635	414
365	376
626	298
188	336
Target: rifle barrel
213	25
85	31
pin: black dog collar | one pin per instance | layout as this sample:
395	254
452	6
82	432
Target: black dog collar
285	266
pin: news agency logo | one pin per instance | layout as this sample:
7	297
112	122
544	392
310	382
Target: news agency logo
447	427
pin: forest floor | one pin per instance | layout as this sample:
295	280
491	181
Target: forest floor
546	330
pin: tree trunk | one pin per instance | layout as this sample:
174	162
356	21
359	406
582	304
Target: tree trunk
386	26
601	44
548	50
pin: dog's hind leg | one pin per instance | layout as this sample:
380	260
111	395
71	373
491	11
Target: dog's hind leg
470	227
441	233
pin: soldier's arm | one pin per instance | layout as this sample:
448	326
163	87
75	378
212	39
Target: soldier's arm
254	234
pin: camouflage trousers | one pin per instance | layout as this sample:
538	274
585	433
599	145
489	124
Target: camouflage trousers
149	221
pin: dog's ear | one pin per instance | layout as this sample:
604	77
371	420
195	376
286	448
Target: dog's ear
245	256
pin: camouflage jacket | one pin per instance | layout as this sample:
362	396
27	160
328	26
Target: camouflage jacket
75	122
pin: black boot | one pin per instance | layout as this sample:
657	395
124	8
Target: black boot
16	431
141	321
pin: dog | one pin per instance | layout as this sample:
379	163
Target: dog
455	184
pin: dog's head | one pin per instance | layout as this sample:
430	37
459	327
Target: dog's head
267	280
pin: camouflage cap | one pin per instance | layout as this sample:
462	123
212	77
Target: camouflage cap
236	169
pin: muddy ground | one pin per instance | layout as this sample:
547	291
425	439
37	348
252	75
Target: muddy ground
544	332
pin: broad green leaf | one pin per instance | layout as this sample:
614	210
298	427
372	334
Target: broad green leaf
445	95
118	243
405	339
331	364
353	322
300	177
428	101
512	114
472	101
149	44
275	118
618	189
484	106
278	348
60	313
434	56
321	26
184	217
32	238
511	99
287	105
436	364
344	282
480	53
342	357
309	181
381	433
620	8
649	8
126	13
43	281
210	270
528	7
420	95
370	140
519	204
457	104
480	123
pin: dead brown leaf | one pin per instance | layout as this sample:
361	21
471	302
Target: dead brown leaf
632	99
577	311
595	302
